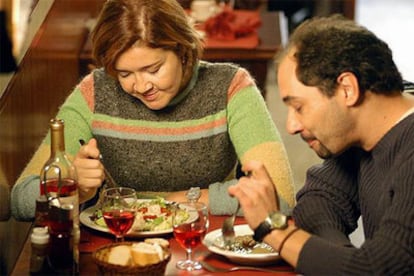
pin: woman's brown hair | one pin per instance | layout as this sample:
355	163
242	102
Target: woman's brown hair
164	24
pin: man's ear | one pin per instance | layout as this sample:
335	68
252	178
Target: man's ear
348	86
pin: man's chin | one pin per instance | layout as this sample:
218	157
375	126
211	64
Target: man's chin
323	153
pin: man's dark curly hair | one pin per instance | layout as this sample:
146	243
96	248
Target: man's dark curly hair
328	46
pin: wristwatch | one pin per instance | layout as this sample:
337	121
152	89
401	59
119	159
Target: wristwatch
275	220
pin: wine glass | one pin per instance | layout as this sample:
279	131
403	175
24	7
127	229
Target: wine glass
118	210
190	224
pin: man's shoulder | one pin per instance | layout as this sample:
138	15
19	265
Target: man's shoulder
408	87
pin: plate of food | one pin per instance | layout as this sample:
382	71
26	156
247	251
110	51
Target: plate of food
153	217
244	250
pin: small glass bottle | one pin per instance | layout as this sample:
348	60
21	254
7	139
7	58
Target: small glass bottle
38	259
42	211
61	257
58	183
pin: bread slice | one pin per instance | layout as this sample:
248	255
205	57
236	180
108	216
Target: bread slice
160	241
120	255
144	254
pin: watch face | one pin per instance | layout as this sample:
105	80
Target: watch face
279	220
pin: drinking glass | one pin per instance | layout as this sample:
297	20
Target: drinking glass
118	210
190	224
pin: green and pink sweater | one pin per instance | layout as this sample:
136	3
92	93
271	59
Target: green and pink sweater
218	119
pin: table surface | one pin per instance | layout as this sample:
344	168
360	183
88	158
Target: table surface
92	239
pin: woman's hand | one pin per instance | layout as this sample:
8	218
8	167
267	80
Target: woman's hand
89	169
256	193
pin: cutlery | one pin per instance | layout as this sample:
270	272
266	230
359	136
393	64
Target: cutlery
110	182
227	229
213	268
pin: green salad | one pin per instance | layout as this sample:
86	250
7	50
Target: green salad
156	215
151	215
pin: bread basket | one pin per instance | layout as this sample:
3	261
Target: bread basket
100	257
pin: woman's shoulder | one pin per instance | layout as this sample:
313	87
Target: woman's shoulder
220	70
218	65
100	74
99	79
222	67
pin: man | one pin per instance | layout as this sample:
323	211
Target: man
344	98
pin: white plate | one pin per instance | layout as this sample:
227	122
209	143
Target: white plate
215	237
85	219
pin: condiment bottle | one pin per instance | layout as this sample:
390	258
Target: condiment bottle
193	194
42	211
58	182
38	259
61	257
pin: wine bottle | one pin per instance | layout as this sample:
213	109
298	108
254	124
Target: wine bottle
58	182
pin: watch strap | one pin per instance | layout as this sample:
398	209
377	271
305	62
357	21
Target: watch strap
262	231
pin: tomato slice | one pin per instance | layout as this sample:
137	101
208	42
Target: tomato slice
166	211
150	217
143	210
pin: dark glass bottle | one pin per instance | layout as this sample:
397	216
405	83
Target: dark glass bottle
42	211
58	183
61	250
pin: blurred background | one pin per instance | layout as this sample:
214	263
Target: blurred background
22	20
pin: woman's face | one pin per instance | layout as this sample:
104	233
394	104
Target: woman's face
152	75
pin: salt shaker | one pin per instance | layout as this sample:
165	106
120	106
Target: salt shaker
194	194
40	244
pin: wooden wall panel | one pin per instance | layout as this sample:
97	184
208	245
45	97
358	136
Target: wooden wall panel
45	76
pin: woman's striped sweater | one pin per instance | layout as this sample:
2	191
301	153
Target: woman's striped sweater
218	119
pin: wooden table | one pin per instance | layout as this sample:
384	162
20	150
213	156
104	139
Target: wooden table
272	34
92	239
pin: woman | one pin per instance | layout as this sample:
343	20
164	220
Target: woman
163	119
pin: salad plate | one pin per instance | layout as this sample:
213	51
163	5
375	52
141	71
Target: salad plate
214	242
162	220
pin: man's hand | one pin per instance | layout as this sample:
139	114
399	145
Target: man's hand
89	169
256	193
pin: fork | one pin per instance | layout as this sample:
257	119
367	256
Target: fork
110	182
227	229
213	268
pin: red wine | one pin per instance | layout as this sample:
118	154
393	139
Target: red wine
189	237
68	187
119	222
68	193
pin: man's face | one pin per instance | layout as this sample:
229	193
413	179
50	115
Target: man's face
322	122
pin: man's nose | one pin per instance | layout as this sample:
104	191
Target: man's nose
293	125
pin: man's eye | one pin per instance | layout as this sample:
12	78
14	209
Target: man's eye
298	109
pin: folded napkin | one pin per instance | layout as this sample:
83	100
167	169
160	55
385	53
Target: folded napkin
230	25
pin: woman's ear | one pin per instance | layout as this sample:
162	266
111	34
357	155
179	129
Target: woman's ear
348	86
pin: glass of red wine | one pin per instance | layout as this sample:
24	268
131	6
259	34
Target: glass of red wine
118	210
190	224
